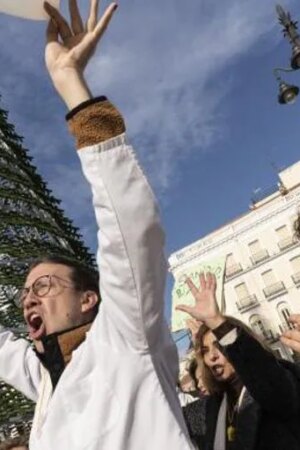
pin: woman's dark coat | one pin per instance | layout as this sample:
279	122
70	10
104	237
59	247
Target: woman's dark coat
269	416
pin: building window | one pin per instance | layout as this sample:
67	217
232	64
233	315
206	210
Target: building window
282	232
260	327
232	267
242	292
268	277
284	313
245	301
257	324
230	261
258	253
285	238
272	286
254	247
295	262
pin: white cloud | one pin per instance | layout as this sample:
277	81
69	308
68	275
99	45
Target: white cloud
161	62
164	72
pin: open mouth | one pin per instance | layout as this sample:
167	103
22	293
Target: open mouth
36	326
218	370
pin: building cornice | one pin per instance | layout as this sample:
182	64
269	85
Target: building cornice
235	230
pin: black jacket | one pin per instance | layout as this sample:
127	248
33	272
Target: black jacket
269	416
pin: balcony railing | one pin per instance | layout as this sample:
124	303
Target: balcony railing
290	241
246	303
233	269
259	256
296	278
274	289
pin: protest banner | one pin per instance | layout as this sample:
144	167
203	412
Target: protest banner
182	295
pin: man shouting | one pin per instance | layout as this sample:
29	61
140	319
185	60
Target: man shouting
102	380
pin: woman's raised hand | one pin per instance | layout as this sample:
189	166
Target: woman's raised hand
206	308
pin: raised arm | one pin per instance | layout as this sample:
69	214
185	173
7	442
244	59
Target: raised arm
131	259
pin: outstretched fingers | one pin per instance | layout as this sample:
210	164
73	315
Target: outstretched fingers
93	16
89	43
52	31
211	281
192	287
202	281
76	20
62	25
105	20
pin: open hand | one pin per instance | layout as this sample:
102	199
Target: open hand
70	47
206	307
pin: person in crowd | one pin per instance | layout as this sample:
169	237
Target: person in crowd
17	443
254	398
188	383
190	386
102	380
185	396
195	373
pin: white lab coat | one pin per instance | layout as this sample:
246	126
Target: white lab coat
118	392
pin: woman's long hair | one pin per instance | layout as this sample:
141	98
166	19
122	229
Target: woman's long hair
211	384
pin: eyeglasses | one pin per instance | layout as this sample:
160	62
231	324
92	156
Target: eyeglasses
41	287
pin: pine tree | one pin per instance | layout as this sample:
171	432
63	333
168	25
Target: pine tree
31	225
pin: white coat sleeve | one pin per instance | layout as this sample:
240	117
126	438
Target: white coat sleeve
131	240
19	366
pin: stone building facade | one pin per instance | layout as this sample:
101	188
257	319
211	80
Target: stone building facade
262	281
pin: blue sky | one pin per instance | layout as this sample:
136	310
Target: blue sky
194	81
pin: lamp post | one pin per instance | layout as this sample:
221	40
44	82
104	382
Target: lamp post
288	93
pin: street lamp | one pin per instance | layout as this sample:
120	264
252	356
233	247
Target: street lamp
288	93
